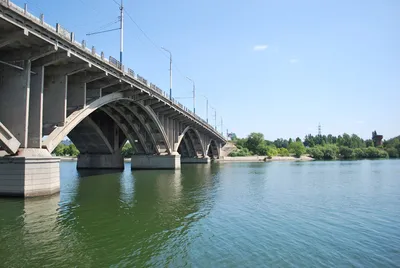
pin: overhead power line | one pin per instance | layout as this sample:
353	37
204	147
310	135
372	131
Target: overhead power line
118	4
153	43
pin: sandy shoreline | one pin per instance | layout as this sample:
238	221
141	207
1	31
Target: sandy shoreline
261	158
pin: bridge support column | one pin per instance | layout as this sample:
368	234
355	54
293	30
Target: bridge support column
33	172
156	161
14	100
100	161
195	160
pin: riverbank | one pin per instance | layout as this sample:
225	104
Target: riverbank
227	159
261	158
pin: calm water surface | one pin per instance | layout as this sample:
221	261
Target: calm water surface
287	214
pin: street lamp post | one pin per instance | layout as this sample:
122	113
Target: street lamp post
121	32
194	94
215	117
206	107
170	72
222	127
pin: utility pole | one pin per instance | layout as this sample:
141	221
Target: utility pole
170	72
121	32
194	94
121	29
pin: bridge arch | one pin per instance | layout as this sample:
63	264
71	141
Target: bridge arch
212	149
190	141
141	127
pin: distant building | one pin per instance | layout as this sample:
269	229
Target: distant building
377	139
232	136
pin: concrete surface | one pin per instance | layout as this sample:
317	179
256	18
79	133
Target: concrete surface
8	141
195	160
28	176
100	161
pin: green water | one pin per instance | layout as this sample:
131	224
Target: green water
287	214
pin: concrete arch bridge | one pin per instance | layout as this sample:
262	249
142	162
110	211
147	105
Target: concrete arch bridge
53	86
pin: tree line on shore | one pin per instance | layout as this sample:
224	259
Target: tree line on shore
71	150
319	147
66	150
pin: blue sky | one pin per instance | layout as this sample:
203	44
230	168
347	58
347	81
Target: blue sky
276	67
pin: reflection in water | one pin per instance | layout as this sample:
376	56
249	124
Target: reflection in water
136	214
33	225
220	215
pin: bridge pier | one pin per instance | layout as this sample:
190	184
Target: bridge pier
156	161
195	160
33	172
100	161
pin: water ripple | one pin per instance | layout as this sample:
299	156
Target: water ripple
317	214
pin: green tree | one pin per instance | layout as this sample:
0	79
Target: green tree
357	142
330	151
315	153
253	141
127	150
283	152
309	141
261	149
345	141
359	153
297	148
346	152
281	143
369	143
241	152
71	150
392	152
372	152
272	151
60	150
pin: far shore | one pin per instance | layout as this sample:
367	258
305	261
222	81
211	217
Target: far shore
257	158
228	159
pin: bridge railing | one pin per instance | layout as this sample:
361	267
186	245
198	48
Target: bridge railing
114	62
70	37
64	33
131	73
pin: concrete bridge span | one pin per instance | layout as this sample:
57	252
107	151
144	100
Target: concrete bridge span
52	86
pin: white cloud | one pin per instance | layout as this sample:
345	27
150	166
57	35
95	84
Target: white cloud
260	47
292	61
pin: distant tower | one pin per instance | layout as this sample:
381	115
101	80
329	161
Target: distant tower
377	139
319	129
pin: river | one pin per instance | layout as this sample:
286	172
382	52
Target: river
280	214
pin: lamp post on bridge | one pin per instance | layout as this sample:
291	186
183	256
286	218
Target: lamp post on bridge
222	127
194	94
121	51
215	117
170	72
206	107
